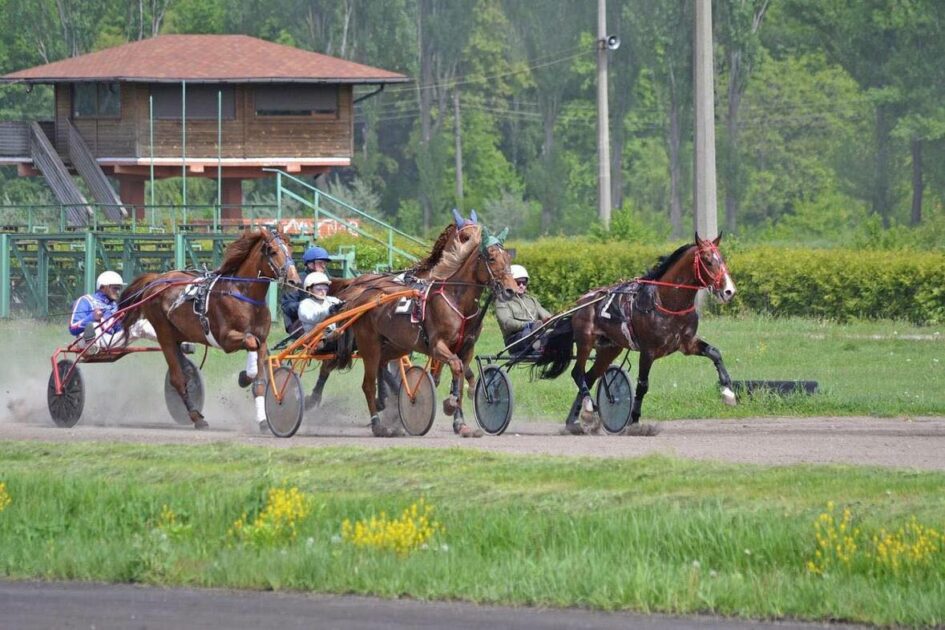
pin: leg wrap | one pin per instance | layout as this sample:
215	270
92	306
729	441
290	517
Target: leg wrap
260	408
251	364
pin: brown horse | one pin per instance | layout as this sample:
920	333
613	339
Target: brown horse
225	309
654	315
449	243
450	323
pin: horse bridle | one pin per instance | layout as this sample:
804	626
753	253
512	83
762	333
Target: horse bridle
280	272
716	281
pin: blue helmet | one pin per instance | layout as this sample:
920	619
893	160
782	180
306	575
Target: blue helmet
314	253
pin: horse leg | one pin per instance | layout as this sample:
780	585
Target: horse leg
581	418
452	406
643	386
255	373
174	357
701	348
371	359
315	399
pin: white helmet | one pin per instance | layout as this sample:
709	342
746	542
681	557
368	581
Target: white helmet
316	277
108	278
518	272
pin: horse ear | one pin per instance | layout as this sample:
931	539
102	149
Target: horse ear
718	239
501	236
473	217
458	218
698	240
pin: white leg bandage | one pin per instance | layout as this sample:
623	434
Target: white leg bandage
251	364
260	409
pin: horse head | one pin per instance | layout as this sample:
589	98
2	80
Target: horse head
710	269
497	263
265	251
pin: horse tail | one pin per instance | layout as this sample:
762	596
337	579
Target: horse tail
556	353
132	299
345	350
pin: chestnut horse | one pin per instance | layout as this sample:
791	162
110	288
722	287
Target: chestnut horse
654	315
449	242
450	323
225	309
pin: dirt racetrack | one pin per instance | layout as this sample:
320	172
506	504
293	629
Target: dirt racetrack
916	443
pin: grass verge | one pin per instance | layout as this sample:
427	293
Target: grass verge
650	534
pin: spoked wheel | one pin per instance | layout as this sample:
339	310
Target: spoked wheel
66	408
285	415
614	399
194	380
493	400
416	401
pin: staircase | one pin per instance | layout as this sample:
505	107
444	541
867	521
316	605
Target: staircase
88	168
47	160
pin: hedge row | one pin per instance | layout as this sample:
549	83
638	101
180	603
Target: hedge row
822	283
831	284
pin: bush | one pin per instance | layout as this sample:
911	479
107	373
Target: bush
832	284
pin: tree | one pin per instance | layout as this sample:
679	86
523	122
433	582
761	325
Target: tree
738	24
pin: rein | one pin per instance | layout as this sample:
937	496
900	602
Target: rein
698	268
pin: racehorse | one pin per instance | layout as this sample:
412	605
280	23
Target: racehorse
448	243
450	322
654	315
225	309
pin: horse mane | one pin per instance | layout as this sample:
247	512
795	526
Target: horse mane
237	251
436	254
453	258
665	262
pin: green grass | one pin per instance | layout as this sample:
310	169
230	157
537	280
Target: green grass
649	534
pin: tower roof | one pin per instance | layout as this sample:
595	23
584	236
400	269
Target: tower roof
205	59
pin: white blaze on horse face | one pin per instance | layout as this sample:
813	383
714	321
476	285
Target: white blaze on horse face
727	292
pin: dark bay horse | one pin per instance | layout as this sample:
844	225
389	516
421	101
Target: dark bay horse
450	322
225	309
654	315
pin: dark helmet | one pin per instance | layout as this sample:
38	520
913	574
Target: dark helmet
314	253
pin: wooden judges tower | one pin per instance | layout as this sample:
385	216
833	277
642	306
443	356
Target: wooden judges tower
216	106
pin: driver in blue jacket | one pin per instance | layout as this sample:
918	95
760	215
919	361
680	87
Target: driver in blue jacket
314	259
93	316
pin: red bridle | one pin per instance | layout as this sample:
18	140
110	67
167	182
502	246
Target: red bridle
700	271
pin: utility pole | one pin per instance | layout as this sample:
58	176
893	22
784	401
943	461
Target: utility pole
704	185
603	124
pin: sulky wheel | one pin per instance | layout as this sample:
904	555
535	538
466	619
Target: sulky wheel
66	408
416	401
194	380
493	400
284	402
614	399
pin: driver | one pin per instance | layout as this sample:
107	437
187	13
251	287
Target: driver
314	259
522	313
318	305
93	317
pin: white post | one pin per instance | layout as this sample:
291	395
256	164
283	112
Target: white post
603	124
704	185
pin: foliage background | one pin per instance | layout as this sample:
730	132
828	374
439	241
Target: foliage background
829	117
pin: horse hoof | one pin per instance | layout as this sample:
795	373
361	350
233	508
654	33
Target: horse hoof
195	416
466	431
450	405
312	401
574	428
728	397
263	426
244	380
381	430
201	424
